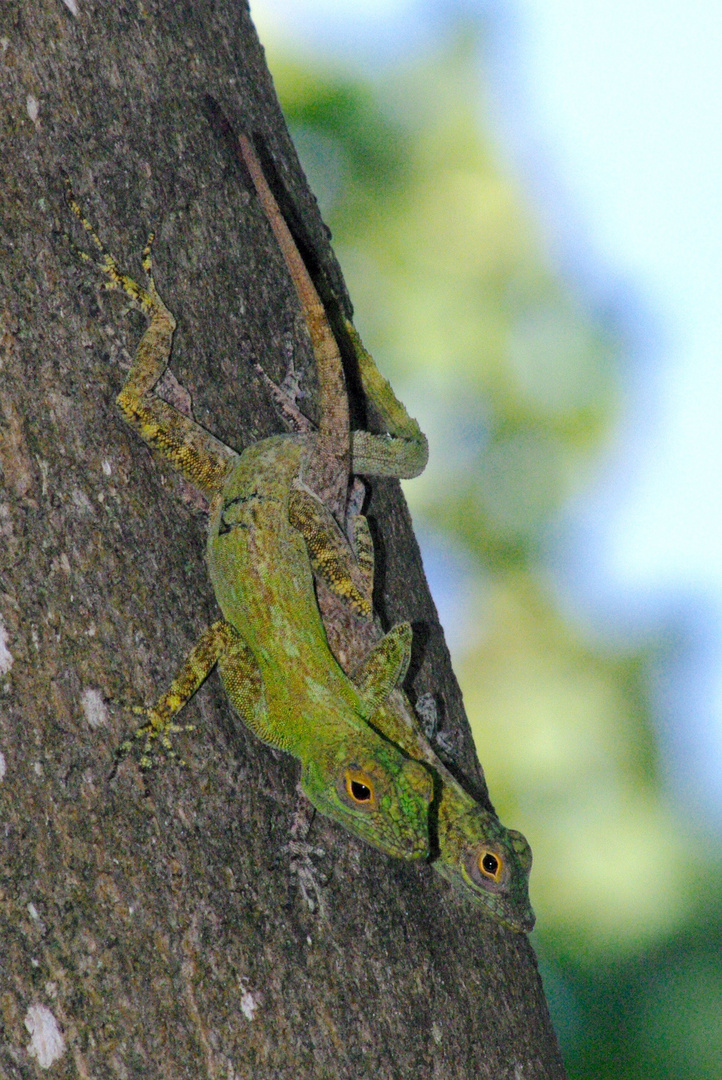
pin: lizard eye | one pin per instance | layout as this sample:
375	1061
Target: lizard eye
486	867
358	789
490	864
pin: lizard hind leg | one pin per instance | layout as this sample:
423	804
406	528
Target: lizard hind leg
329	551
193	451
148	299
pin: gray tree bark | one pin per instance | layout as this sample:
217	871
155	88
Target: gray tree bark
157	927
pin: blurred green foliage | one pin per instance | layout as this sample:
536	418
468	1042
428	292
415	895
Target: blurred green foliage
515	383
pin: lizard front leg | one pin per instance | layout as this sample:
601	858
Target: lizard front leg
220	644
205	654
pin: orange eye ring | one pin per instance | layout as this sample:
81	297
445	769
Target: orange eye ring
490	864
360	788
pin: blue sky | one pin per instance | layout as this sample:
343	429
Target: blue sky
612	114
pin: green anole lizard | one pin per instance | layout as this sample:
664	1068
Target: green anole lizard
474	851
270	645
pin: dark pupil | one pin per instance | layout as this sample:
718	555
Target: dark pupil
490	863
360	792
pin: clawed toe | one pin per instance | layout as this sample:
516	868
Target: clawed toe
155	736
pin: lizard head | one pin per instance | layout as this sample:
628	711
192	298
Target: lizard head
375	792
488	864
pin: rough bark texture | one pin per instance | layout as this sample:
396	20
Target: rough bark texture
162	930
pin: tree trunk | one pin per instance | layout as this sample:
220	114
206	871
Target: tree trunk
172	925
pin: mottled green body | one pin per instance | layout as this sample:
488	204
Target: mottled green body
263	583
264	586
483	860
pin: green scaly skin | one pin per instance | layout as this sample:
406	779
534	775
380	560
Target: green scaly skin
270	647
263	583
464	833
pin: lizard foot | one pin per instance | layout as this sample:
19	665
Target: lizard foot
309	878
287	396
155	736
302	865
145	299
